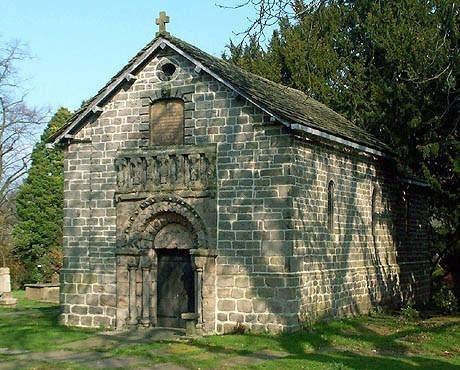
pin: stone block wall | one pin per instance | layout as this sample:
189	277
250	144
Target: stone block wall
365	259
276	261
412	245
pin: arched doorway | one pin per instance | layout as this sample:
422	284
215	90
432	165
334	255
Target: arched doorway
163	265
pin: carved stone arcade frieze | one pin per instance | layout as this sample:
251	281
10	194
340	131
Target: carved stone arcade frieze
174	168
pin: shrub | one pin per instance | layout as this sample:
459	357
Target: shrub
444	300
409	313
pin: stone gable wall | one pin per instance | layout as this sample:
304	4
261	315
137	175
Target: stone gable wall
253	237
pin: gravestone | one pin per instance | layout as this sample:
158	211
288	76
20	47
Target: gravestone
5	288
43	292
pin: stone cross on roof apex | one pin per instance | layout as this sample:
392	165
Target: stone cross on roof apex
161	22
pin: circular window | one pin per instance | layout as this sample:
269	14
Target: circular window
168	69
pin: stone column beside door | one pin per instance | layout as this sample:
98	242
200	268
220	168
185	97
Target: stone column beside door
203	261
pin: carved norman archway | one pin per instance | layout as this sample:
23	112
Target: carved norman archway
158	223
156	212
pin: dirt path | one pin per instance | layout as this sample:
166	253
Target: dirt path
90	360
99	360
93	353
96	353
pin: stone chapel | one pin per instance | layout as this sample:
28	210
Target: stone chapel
200	195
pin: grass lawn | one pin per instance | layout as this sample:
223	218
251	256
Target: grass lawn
33	326
366	342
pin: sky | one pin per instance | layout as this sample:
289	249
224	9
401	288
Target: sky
77	46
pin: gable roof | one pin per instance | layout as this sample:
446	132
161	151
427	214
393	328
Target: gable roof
290	106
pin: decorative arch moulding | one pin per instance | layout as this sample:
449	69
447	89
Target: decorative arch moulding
150	219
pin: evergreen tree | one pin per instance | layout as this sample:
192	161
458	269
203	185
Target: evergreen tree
392	67
39	205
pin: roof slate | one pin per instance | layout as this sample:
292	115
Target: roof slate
290	105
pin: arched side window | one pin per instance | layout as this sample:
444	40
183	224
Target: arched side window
374	213
167	122
405	199
330	206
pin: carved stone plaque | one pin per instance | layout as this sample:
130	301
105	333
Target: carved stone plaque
167	122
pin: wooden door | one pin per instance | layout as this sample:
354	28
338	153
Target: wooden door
175	287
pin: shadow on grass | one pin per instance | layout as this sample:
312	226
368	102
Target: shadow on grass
361	343
37	328
353	344
396	342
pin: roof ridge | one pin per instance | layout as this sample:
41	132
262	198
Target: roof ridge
87	103
173	38
267	80
301	94
291	106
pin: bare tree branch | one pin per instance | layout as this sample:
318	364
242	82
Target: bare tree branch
268	14
18	121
